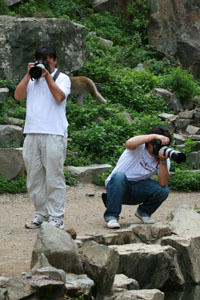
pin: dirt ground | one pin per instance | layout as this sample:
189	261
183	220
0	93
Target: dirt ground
84	213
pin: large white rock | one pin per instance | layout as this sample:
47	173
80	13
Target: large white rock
150	265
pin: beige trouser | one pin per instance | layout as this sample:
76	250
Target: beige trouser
44	156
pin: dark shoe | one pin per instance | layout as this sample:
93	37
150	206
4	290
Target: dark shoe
144	217
104	199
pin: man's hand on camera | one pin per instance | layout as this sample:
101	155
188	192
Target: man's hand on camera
161	156
30	65
164	139
45	72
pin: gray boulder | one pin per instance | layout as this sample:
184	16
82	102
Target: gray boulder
51	273
10	135
184	221
111	5
19	288
150	234
194	157
3	94
187	256
100	263
12	2
153	294
174	29
122	236
59	249
138	260
85	174
19	38
122	282
193	130
77	285
11	162
170	98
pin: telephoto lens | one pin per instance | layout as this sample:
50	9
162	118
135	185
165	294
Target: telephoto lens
176	156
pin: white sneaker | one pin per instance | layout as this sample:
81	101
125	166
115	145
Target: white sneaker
145	218
36	222
57	222
113	224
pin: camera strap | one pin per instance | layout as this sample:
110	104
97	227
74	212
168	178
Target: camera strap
56	75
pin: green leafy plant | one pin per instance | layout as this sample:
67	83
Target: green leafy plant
81	297
97	132
100	178
3	7
69	178
14	186
183	181
182	84
190	146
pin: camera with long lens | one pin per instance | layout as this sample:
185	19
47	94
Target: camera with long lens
177	156
36	70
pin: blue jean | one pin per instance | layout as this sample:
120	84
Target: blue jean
147	193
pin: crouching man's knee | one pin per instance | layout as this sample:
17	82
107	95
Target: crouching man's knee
119	177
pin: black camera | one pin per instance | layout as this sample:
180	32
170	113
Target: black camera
177	156
36	71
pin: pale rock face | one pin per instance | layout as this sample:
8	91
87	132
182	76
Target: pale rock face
174	29
19	38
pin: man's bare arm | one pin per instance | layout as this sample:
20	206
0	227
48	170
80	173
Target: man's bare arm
136	141
21	89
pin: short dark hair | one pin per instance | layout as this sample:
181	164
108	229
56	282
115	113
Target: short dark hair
161	131
44	51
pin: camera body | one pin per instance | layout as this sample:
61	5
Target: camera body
176	156
36	70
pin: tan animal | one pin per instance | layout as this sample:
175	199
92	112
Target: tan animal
81	85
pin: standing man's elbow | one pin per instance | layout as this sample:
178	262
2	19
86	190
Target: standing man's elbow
18	96
60	98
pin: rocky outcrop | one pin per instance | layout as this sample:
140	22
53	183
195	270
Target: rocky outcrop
100	263
59	249
137	261
3	94
10	136
11	162
112	6
161	256
85	174
19	38
174	29
12	2
153	294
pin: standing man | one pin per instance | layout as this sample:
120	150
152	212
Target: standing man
44	148
130	182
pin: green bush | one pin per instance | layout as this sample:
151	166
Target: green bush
103	141
99	179
97	132
14	186
183	181
182	84
13	108
69	178
3	7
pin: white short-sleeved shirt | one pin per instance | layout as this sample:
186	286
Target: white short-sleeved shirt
44	115
137	164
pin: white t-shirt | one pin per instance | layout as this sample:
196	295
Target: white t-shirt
137	164
44	115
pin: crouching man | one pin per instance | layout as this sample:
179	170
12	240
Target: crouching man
130	182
